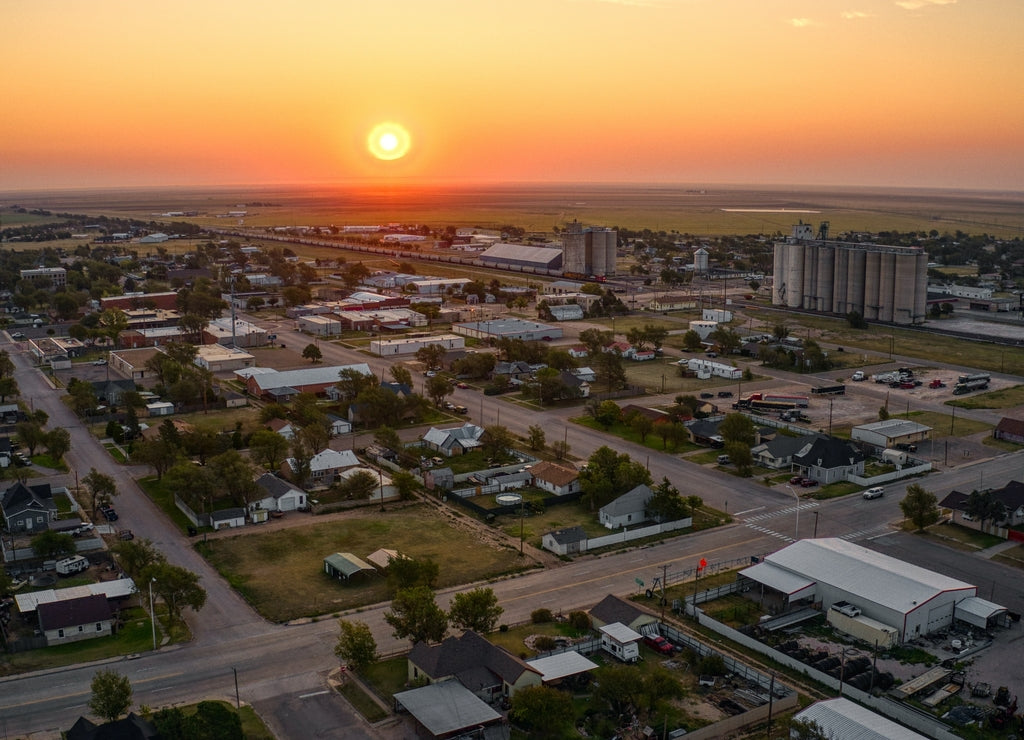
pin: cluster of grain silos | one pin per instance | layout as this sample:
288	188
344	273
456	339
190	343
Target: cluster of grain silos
881	283
589	251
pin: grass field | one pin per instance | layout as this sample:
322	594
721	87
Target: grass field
281	572
1002	399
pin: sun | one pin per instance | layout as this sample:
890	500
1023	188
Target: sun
389	140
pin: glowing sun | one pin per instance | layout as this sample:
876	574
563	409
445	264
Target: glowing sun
388	141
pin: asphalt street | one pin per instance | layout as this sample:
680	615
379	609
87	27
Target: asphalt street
281	669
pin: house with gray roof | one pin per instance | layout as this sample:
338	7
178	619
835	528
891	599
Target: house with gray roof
324	466
485	669
828	459
777	453
277	494
28	508
627	510
455	441
567	541
612	609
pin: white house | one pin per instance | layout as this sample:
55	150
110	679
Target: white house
627	510
283	427
554	478
325	465
277	495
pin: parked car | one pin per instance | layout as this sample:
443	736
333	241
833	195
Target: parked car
876	492
723	459
707	395
462	385
808	483
659	644
725	394
906	447
711	354
18	335
100	361
796	480
125	534
109	514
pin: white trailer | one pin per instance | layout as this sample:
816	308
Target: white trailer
71	565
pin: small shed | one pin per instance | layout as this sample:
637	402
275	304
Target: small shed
382	558
567	541
621	641
227	518
160	408
345	565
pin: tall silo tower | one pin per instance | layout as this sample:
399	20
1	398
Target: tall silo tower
574	249
700	260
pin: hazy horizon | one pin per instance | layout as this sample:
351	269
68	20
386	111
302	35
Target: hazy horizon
835	93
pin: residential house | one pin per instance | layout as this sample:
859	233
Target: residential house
704	432
439	478
28	508
890	433
1011	430
111	392
512	371
338	425
457	441
644	355
325	466
577	386
612	609
5	452
567	541
585	373
656	415
278	495
71	620
132	362
627	510
777	453
622	349
554	478
485	669
283	427
132	727
1011	496
828	459
578	351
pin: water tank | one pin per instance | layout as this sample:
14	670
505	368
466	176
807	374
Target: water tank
886	281
700	260
871	267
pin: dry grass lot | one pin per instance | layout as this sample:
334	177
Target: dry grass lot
281	572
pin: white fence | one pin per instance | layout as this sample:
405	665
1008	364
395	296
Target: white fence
627	535
876	480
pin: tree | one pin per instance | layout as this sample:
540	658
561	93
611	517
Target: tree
607	414
49	544
268	448
983	505
609	370
405	573
405	483
640	424
401	375
856	320
692	341
431	355
196	484
111	694
177	587
496	441
415	614
102	489
360	485
135	556
312	353
535	437
618	688
737	428
543	711
609	475
438	389
159	454
296	295
58	442
8	387
352	382
235	473
920	506
560	449
356	645
596	339
475	610
31	434
666	505
740	456
728	340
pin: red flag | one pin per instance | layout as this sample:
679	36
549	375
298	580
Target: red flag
703	563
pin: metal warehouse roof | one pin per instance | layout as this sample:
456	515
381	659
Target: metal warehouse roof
778	579
446	707
111	589
521	253
886	581
559	666
842	719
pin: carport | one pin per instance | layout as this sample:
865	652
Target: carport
778	585
447	709
345	565
554	668
980	613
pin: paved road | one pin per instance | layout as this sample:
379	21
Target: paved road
281	669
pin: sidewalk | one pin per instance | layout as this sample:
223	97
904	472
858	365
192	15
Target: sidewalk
988	552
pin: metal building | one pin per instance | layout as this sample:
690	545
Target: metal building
880	282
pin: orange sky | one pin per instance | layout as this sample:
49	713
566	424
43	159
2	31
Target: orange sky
871	92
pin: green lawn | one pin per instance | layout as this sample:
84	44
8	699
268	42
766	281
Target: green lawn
387	677
281	572
652	441
164	498
362	703
963	538
134	637
554	517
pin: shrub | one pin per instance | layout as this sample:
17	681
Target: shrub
540	616
711	665
543	643
580	621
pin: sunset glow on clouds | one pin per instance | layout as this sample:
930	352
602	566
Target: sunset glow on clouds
881	92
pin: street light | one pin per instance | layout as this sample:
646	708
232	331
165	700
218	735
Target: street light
152	614
796	534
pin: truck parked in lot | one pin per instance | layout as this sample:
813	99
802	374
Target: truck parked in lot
968	383
836	389
72	565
